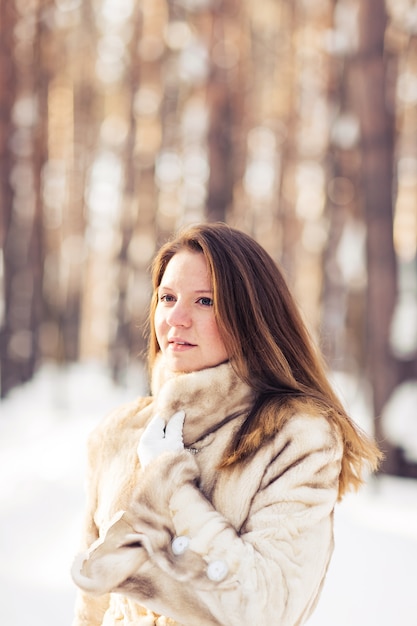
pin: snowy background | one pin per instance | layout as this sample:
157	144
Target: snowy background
372	579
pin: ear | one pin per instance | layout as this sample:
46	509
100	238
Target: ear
109	560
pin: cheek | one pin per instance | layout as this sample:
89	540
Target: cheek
214	336
159	323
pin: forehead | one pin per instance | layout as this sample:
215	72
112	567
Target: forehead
187	267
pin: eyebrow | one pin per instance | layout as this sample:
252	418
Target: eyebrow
196	291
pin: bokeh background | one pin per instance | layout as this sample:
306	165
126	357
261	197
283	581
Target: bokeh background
123	120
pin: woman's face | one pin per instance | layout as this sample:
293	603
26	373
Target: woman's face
185	325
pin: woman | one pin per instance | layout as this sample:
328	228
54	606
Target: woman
223	514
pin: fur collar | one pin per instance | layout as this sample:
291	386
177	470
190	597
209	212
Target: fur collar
209	397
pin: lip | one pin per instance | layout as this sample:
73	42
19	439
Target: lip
177	344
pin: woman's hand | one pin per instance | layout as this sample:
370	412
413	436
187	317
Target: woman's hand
158	438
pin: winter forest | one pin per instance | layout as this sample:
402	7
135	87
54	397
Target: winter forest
123	120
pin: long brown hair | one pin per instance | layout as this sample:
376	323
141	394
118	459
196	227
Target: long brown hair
267	342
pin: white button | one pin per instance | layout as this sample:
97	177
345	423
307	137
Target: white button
217	570
180	544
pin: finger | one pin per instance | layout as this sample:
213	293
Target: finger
175	425
155	429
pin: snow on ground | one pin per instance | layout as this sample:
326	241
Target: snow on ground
372	580
399	419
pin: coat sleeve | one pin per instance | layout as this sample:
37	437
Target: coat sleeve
268	571
103	446
89	610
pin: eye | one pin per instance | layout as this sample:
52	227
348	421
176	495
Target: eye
205	301
166	297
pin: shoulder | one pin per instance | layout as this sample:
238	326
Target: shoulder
111	455
305	423
309	430
308	448
309	433
119	424
294	471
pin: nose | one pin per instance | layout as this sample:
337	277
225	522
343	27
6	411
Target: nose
179	315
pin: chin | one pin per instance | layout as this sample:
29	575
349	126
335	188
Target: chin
179	367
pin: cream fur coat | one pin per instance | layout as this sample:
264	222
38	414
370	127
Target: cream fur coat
239	547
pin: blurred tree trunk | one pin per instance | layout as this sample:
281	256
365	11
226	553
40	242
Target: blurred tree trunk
368	87
124	340
230	112
7	96
79	127
219	139
343	314
23	154
36	253
286	206
220	187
